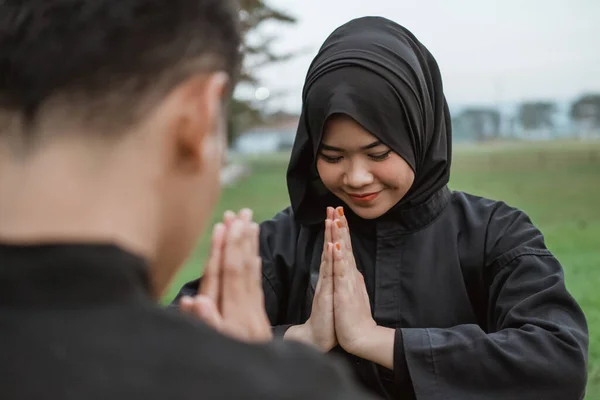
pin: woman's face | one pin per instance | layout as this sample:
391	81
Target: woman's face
364	173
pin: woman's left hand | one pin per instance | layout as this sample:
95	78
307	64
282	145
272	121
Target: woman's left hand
354	324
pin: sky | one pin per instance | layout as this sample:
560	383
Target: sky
489	51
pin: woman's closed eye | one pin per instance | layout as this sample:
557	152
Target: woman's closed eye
330	159
380	156
375	157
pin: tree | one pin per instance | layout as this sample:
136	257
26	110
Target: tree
241	114
536	115
258	53
255	14
479	123
586	111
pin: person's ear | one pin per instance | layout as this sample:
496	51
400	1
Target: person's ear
197	114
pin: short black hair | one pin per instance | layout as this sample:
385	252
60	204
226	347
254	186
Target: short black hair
91	51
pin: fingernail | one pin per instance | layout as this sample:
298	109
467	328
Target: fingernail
219	226
338	247
341	211
246	212
338	223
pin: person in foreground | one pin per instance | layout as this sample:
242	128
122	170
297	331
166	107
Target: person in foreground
111	139
428	293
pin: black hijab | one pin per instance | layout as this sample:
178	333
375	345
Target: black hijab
376	72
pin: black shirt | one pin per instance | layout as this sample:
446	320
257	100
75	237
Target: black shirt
478	302
77	322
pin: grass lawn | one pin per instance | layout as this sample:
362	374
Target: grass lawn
557	184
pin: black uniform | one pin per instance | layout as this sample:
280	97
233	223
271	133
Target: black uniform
77	322
478	302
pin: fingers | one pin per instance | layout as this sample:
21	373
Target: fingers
327	231
239	311
246	215
328	270
336	230
330	213
206	309
331	217
202	308
249	247
233	266
344	228
340	266
328	238
340	234
210	283
242	272
228	218
186	304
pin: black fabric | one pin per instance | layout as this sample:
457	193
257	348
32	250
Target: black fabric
478	302
378	73
77	322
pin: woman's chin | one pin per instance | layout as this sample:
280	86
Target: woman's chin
372	212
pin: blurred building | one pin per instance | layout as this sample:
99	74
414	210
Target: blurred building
275	135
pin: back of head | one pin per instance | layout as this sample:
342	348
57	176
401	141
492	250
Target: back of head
112	114
105	59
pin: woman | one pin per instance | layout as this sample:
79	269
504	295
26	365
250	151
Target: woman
461	299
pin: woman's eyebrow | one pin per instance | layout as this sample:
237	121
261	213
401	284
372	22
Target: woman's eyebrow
367	147
330	148
370	146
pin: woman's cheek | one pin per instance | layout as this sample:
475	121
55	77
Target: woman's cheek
327	173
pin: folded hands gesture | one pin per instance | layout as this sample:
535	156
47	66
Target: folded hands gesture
341	311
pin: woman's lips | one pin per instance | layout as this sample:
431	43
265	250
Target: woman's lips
364	197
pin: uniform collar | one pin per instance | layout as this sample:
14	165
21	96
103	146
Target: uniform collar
71	276
402	220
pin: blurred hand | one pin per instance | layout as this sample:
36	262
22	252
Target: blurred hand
230	297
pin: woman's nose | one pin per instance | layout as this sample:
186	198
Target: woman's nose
358	176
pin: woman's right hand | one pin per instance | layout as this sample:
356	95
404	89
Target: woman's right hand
319	329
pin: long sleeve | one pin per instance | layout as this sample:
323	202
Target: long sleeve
536	341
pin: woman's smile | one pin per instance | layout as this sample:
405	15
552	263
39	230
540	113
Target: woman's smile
360	169
362	198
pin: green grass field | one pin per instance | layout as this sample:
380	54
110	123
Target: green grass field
557	184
